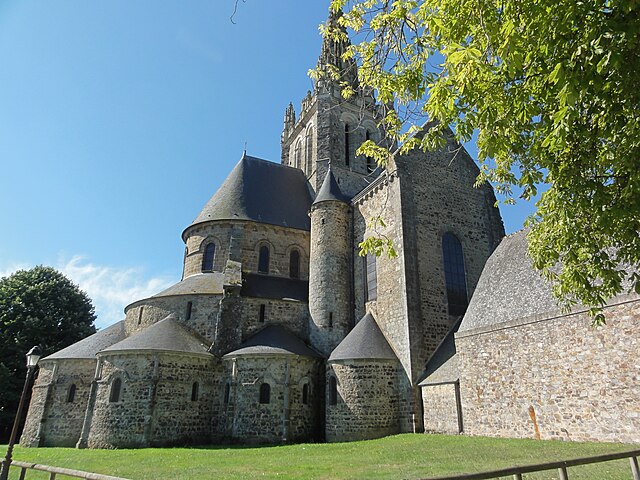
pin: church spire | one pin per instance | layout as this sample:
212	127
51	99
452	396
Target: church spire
335	71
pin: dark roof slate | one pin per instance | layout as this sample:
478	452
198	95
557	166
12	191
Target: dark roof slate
210	283
273	340
167	336
264	286
330	190
365	341
509	287
88	347
264	192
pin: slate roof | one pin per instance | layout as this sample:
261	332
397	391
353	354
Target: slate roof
365	341
166	336
509	287
211	283
263	286
442	366
273	340
264	192
88	347
330	190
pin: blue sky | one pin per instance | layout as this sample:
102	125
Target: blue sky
119	119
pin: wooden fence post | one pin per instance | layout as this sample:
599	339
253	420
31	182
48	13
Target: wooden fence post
562	473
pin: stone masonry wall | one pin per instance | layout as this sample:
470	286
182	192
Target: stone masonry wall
556	379
290	314
204	311
285	418
155	406
367	404
438	196
247	237
390	309
440	409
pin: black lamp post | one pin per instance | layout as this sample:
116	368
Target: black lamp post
32	360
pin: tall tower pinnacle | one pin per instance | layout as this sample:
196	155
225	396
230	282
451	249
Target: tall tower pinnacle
334	69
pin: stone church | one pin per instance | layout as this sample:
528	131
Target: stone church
280	331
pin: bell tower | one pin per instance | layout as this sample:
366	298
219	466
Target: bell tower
330	128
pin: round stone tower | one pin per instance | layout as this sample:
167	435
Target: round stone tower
329	267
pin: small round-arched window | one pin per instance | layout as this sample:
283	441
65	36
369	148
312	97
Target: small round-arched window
71	394
294	264
207	258
116	387
263	259
265	393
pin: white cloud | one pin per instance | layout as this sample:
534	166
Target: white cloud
110	288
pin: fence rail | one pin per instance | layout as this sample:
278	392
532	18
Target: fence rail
562	466
53	471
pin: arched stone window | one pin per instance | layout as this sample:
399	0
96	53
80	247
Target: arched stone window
454	274
265	393
298	154
71	394
370	277
227	393
371	163
305	394
195	391
309	150
333	391
187	314
116	387
263	259
207	258
262	313
294	264
347	153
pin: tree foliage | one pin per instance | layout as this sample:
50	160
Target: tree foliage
37	307
551	89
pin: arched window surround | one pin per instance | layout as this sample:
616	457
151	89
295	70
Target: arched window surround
115	392
208	256
71	393
195	391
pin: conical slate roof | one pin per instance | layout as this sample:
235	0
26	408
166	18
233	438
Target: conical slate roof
261	191
365	341
166	336
210	283
273	340
330	190
90	346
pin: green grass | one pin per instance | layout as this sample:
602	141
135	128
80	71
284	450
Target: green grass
399	457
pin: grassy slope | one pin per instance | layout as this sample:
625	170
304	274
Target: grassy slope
402	456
